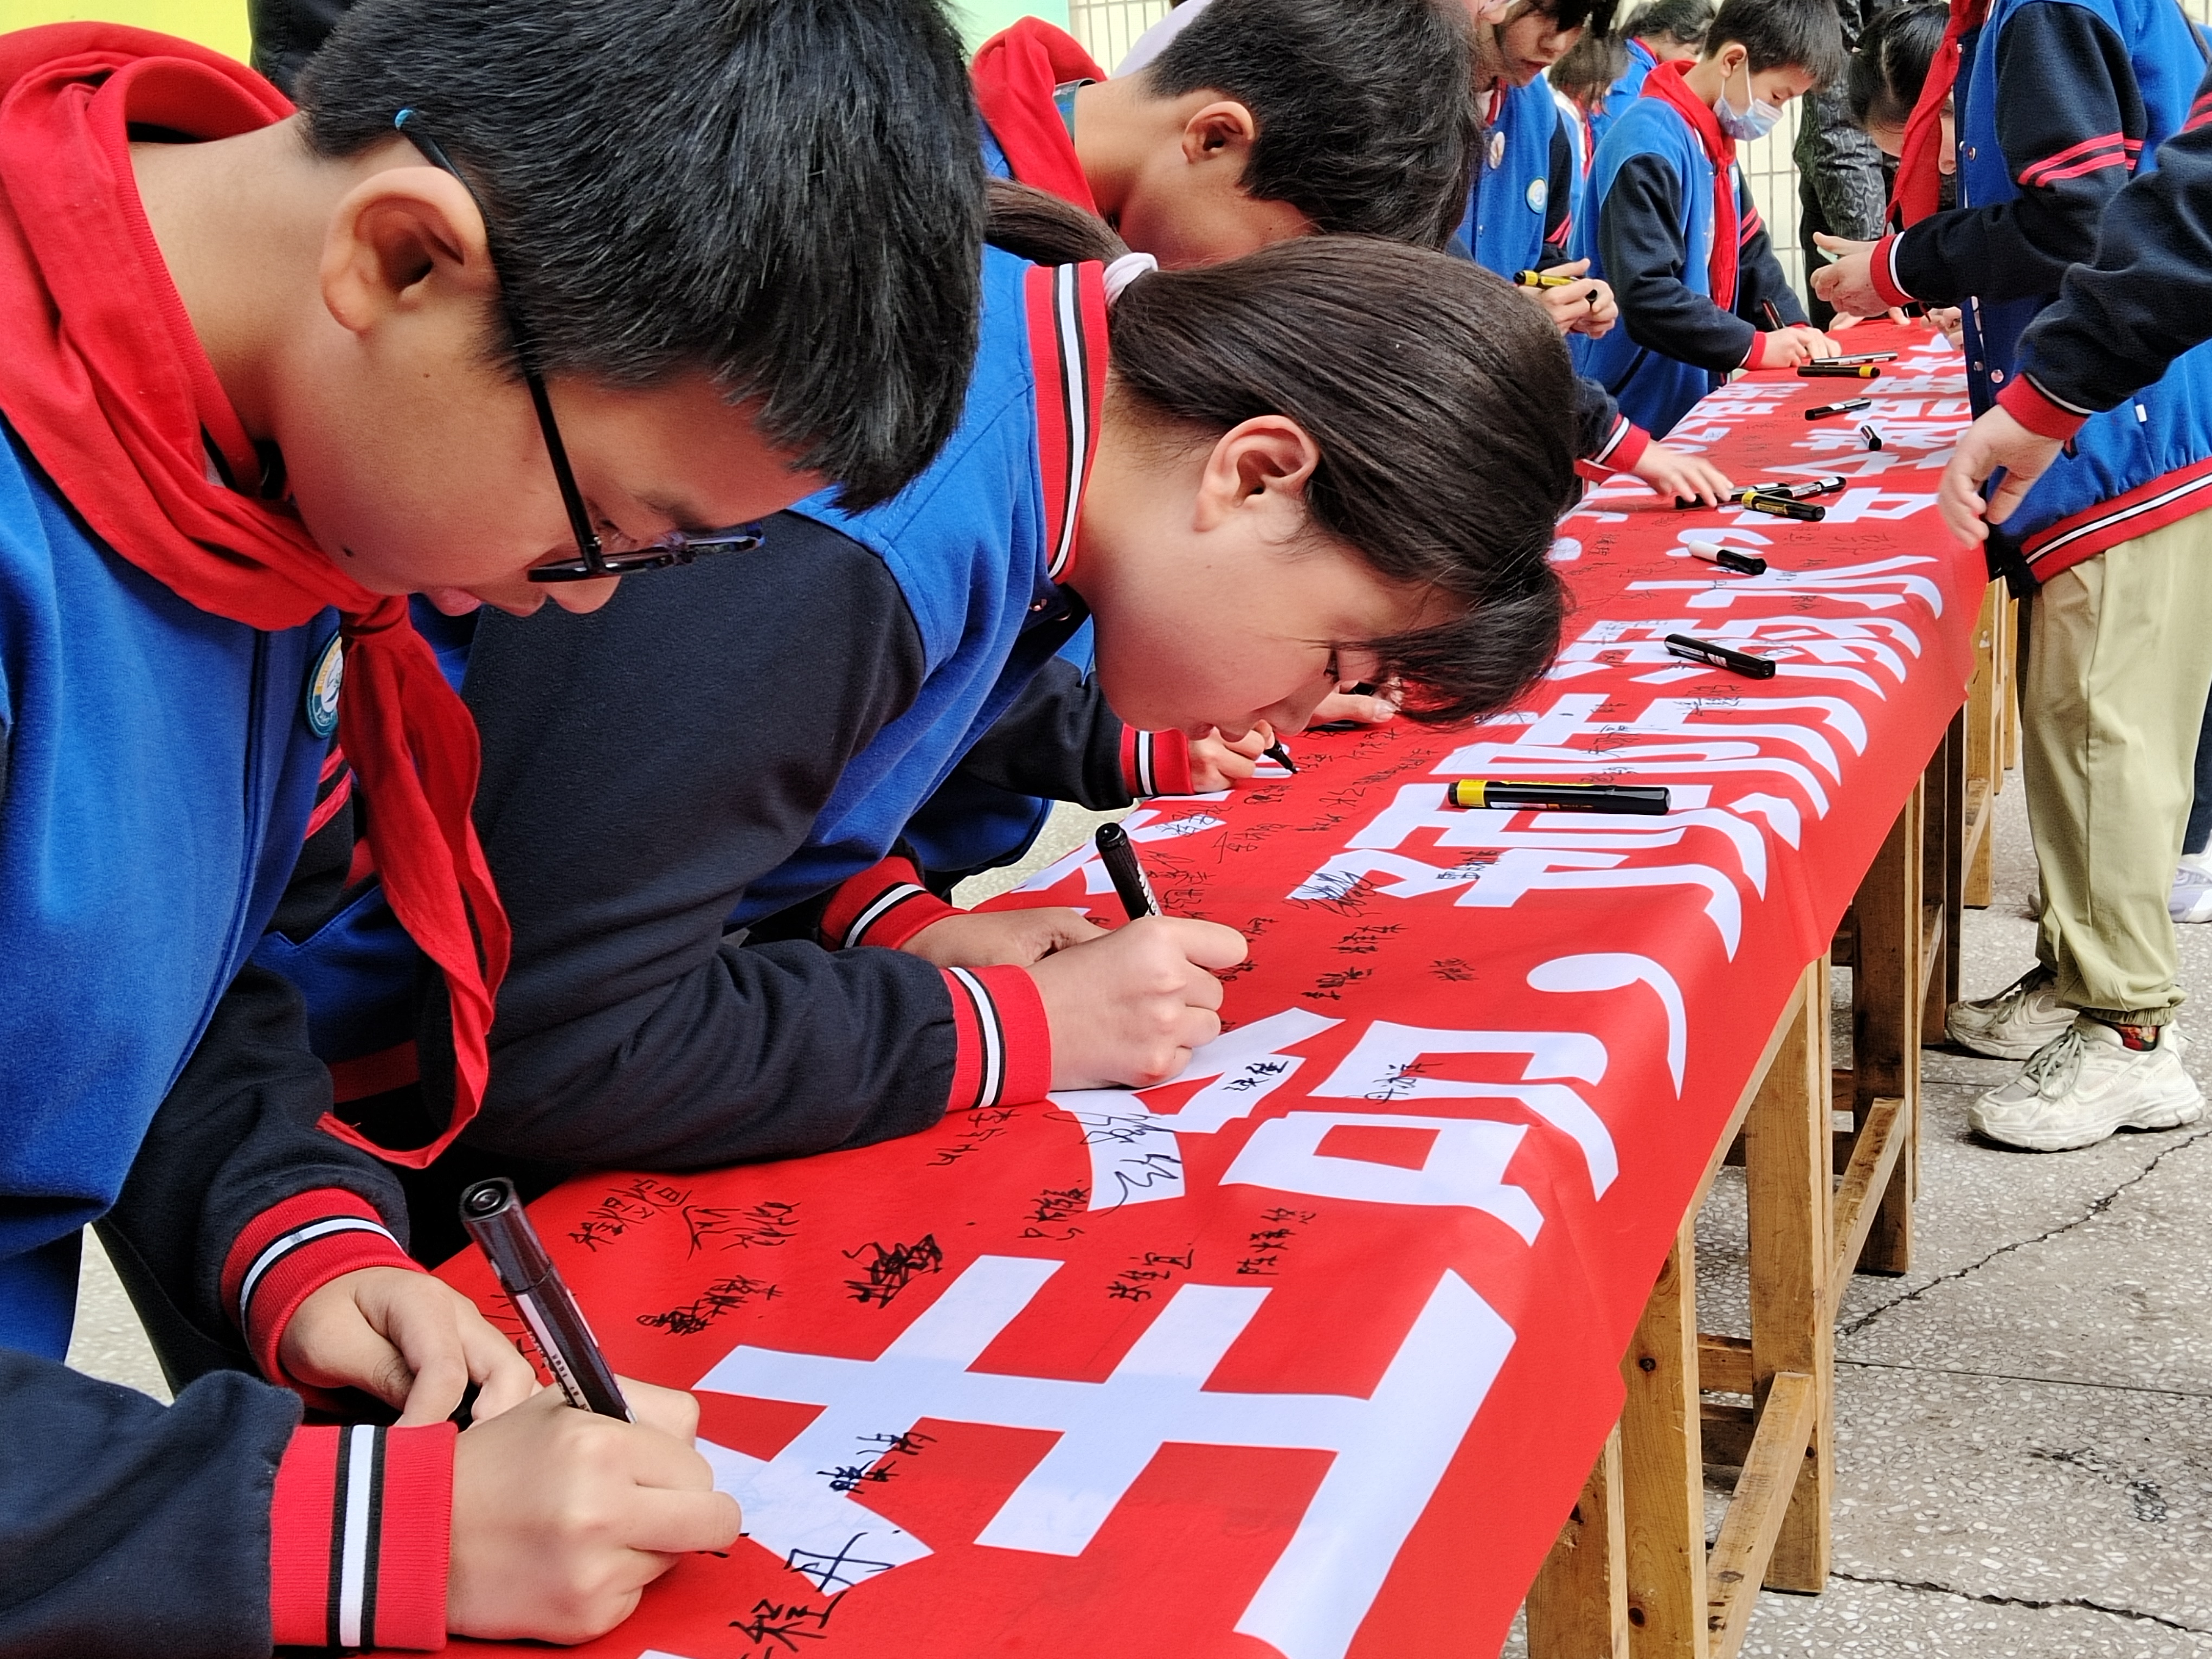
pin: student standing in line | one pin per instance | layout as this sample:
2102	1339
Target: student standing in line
1674	228
1581	81
2091	186
1333	459
262	375
1843	183
1660	31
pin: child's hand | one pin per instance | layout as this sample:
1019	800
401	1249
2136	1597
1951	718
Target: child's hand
1994	440
411	1341
1847	283
1583	307
1216	762
989	939
1375	707
1130	1007
1673	474
1845	320
1800	343
561	1518
1952	321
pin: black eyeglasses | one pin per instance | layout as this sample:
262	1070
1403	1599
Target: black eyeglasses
592	560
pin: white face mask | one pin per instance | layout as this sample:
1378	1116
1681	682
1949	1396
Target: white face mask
1745	124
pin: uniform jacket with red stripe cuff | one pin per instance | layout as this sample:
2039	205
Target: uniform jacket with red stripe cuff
1155	763
291	1250
2122	317
2058	102
2070	121
359	1528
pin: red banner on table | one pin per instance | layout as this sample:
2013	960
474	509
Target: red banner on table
1307	1353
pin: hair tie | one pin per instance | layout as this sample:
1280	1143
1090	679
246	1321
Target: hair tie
1125	271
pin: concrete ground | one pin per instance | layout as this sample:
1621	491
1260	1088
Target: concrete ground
2023	1447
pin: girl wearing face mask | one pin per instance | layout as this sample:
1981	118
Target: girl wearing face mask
1671	224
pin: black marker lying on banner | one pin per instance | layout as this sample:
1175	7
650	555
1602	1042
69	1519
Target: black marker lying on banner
493	1216
1119	854
1799	489
1873	437
1821	411
1720	656
1864	357
1642	800
1748	564
1780	504
1829	369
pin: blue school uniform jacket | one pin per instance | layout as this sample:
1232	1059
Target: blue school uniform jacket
157	769
1624	91
2097	86
1523	184
1649	231
977	546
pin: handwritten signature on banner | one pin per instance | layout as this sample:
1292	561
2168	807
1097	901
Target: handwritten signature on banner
1355	1083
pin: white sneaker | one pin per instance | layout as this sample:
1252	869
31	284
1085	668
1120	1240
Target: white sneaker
2191	897
2013	1024
2086	1083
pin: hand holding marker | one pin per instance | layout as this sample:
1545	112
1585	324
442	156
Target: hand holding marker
493	1216
1130	884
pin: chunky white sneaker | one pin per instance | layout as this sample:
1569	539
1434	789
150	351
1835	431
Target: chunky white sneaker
2191	897
2012	1025
2084	1085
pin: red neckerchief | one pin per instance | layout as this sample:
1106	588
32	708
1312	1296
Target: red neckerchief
102	376
1665	83
1919	189
1016	73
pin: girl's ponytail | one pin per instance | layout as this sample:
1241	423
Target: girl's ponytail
1044	230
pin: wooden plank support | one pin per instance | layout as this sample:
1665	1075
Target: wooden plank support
1874	1157
1578	1606
1662	1466
1987	693
1943	875
1980	844
1723	1363
1750	1536
1788	1192
1885	1019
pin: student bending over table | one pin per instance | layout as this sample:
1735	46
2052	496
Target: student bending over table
262	373
1318	461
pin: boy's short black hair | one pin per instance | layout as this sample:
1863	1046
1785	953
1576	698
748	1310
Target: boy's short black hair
1683	21
1799	35
1365	112
786	195
1594	15
1890	64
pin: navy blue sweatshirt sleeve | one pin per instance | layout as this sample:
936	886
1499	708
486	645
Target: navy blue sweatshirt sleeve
1759	281
2070	123
2147	296
1640	238
131	1528
1058	742
642	767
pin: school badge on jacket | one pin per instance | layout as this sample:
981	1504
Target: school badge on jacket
323	680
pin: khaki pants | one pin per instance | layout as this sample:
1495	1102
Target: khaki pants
2119	662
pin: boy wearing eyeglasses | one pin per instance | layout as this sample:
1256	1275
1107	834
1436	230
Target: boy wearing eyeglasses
263	374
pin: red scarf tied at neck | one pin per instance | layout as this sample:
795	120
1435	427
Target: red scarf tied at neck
102	376
1666	84
1919	189
1016	73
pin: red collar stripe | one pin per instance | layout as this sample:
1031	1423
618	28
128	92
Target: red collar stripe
1068	349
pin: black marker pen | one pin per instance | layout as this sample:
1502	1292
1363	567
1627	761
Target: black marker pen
493	1215
1800	490
1864	357
1748	564
1821	411
1773	318
1779	506
1123	864
1719	656
1873	437
1828	368
1641	799
1544	279
1275	752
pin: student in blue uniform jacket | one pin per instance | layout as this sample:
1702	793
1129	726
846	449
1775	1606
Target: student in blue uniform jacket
1518	218
1657	32
262	373
637	1029
1674	227
2056	107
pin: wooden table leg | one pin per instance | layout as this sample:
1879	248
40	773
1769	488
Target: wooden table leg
1886	999
1662	1466
1578	1606
1792	1252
